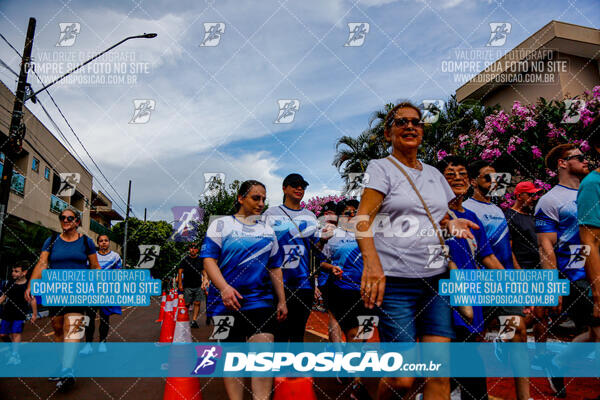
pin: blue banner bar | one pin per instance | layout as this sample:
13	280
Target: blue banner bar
309	359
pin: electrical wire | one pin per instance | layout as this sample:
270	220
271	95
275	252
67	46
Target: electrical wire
73	131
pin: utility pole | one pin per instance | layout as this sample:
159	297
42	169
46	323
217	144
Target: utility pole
12	148
145	214
126	224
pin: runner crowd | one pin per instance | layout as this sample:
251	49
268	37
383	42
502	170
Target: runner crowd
266	271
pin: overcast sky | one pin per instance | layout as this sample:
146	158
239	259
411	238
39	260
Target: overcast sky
214	106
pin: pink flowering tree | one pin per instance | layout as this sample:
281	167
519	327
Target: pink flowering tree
517	140
315	204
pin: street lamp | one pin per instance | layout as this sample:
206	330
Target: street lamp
144	36
12	147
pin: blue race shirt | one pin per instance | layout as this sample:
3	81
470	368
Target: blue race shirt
461	254
342	251
69	255
111	260
556	212
496	229
244	254
294	244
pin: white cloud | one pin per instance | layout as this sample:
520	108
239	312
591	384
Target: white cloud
203	103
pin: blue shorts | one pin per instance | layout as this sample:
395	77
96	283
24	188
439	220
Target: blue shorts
15	326
412	308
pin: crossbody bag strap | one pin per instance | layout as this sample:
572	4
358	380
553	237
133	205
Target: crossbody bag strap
412	184
465	311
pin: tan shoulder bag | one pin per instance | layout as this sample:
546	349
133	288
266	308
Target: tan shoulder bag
465	311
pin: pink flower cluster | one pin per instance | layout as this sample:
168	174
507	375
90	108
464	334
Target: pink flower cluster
525	113
586	116
555	132
464	140
315	204
543	185
496	123
583	144
508	201
490	154
441	155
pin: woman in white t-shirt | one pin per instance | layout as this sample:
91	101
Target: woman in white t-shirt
402	254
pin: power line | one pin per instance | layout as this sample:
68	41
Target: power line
58	162
77	156
10	45
81	160
84	148
73	131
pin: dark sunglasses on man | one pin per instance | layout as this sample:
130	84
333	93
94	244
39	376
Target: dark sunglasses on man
579	157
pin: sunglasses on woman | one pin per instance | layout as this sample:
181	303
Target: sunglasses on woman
402	122
69	218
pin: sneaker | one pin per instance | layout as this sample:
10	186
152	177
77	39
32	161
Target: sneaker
14	359
66	381
56	374
359	391
64	384
456	394
102	348
194	324
557	383
87	349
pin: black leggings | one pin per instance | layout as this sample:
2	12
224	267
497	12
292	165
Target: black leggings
470	388
104	325
299	304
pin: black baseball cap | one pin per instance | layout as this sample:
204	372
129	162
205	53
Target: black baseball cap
295	180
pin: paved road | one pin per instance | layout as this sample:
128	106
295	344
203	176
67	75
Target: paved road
137	325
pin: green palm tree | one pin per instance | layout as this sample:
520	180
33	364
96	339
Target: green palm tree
353	154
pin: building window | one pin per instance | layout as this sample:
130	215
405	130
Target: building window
47	173
35	165
2	158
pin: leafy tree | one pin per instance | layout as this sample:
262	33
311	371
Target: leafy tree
354	153
22	242
219	200
454	120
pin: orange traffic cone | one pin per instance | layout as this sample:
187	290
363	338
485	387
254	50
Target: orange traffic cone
182	389
182	333
168	325
177	298
185	388
294	388
163	301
